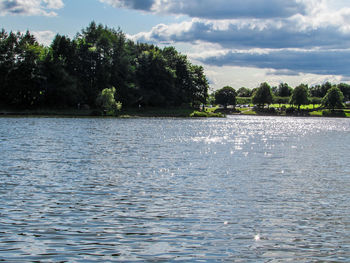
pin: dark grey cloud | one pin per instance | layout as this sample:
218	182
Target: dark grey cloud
12	6
282	72
223	9
8	5
326	62
142	4
216	9
131	4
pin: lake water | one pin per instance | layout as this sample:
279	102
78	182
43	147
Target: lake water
240	189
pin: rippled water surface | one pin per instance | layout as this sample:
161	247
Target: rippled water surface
241	189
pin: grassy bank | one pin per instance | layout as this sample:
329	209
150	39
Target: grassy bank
168	112
124	113
305	111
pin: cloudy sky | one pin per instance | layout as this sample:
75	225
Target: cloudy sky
239	43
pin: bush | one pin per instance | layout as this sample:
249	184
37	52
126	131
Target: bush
290	111
271	110
330	113
260	110
203	114
227	111
108	103
296	112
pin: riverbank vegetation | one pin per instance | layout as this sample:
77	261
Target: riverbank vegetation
102	73
100	69
322	100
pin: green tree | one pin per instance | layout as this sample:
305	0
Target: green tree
262	95
345	88
8	46
75	71
199	85
226	96
281	100
300	96
333	99
315	100
154	78
183	79
315	91
284	90
324	88
244	92
23	75
106	100
61	80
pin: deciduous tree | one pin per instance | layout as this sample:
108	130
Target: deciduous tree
333	99
226	96
263	95
300	96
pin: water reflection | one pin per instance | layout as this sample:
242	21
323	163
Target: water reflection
237	189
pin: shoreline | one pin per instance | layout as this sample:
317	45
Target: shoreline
147	113
126	113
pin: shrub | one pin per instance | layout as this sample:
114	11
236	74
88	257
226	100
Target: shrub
203	114
260	110
330	113
290	111
271	110
107	102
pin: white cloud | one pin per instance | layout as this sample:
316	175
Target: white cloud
53	4
30	7
314	42
44	37
325	30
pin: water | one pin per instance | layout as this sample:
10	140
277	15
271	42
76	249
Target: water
241	189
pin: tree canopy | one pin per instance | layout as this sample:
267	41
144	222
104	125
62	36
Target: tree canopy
244	92
284	90
333	99
300	96
345	89
75	71
226	96
262	95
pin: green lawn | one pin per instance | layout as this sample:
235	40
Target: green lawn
169	112
316	113
302	107
246	111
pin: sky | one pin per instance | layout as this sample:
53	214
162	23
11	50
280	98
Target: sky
239	43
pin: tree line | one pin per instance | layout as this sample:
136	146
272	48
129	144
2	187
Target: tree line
99	62
328	95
